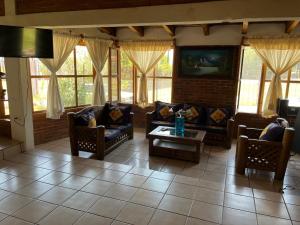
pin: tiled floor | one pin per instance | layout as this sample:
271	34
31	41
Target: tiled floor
48	187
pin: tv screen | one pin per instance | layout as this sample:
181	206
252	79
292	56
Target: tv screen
25	42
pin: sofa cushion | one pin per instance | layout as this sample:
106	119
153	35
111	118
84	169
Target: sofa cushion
209	129
163	123
218	116
274	131
122	128
86	119
166	111
111	134
118	114
194	113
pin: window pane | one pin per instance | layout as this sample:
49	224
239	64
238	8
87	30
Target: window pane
68	66
126	79
296	73
164	67
38	68
67	91
2	65
163	90
267	85
4	96
105	84
105	69
294	94
250	82
39	93
114	62
114	89
85	90
84	63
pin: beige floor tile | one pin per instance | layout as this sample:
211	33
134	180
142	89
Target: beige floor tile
218	186
120	167
34	189
176	204
267	220
135	214
270	208
121	192
292	199
111	175
182	190
34	211
166	218
205	211
35	173
55	177
4	194
75	182
81	201
57	195
237	217
91	172
98	187
107	207
153	184
268	195
12	203
4	177
193	221
118	223
209	196
53	164
147	198
141	171
61	216
239	190
90	219
294	211
15	183
163	176
133	180
14	221
186	180
239	202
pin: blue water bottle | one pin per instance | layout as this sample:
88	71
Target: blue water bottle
179	125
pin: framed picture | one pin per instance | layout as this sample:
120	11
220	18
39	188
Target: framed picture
215	62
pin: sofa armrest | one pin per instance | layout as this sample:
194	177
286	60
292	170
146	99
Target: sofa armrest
230	127
131	117
72	134
149	119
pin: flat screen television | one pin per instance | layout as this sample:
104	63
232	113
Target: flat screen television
25	42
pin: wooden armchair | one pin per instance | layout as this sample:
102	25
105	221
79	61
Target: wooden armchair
262	155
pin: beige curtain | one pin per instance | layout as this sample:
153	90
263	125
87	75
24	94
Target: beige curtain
279	54
98	50
63	45
144	55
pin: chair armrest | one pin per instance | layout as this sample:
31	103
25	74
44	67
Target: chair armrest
252	133
150	115
149	119
230	127
131	117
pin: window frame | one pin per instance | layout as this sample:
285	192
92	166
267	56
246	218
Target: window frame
75	76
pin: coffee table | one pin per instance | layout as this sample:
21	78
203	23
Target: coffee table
163	141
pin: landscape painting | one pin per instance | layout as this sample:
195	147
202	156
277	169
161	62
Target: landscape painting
208	62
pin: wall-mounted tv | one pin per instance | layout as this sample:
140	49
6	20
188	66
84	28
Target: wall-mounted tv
25	42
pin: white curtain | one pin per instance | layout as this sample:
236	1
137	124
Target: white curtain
145	55
279	54
98	50
63	45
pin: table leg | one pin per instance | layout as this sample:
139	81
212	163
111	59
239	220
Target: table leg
150	145
198	147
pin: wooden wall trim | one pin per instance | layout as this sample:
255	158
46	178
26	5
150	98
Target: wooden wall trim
42	6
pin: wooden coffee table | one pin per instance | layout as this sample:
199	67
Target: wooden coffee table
164	142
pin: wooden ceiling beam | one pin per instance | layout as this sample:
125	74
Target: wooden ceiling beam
112	31
205	28
245	27
138	30
169	29
291	25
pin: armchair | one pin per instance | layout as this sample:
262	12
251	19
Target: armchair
262	155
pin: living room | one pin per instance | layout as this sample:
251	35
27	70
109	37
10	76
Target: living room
151	112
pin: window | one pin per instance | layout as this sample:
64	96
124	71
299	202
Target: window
75	80
159	80
4	107
255	81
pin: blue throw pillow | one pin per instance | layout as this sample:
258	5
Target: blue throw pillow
274	131
85	118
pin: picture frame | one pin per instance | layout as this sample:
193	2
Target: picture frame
208	62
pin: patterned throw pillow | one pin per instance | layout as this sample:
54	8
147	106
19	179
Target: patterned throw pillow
86	119
115	114
165	112
218	116
191	114
274	131
92	122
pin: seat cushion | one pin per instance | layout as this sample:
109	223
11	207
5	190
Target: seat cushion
209	129
121	128
111	134
162	123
